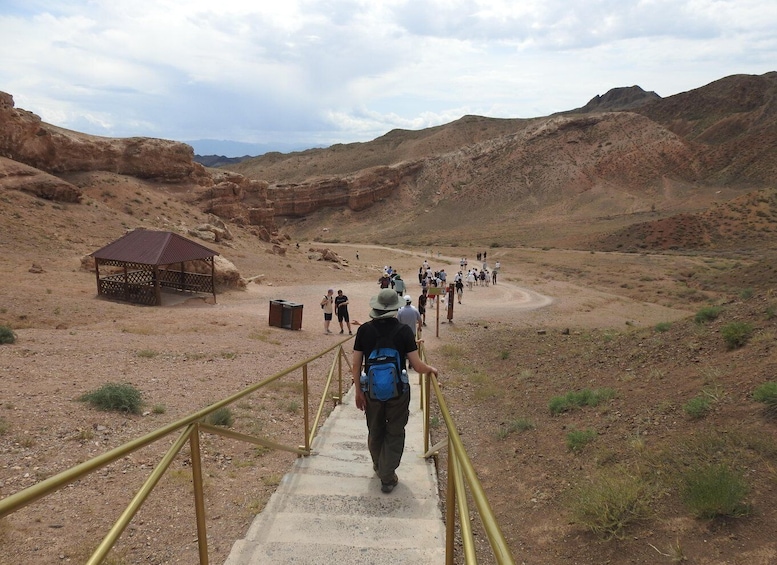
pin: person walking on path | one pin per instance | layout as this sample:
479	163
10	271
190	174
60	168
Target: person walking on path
410	315
386	420
341	308
399	285
327	303
422	299
470	280
459	289
385	280
497	266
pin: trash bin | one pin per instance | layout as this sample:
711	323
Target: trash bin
285	314
276	313
292	316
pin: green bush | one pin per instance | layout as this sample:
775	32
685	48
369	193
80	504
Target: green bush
715	490
7	335
767	393
585	397
707	314
608	504
115	396
519	425
697	407
578	439
221	417
736	334
663	326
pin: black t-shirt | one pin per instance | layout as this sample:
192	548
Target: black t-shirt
338	303
367	337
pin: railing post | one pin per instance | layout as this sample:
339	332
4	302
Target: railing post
340	375
199	498
305	406
450	507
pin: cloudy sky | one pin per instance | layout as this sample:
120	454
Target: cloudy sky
308	73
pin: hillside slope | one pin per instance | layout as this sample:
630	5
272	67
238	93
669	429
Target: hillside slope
669	155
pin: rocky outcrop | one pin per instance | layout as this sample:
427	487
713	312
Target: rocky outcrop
17	176
357	192
27	139
617	100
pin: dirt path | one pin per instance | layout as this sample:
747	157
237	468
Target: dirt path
548	305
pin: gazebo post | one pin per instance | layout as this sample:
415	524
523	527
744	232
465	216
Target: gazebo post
157	291
126	284
213	277
97	274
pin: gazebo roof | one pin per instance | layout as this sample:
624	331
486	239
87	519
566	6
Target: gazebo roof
149	247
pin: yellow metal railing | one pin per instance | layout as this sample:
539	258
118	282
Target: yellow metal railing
462	479
188	429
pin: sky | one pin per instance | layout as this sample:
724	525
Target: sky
284	74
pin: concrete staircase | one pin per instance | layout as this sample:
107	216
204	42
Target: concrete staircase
329	508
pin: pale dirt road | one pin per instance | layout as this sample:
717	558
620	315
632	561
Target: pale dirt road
550	305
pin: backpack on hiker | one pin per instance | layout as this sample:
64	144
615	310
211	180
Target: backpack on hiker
384	375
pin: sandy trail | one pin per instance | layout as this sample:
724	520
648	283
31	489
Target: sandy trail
551	304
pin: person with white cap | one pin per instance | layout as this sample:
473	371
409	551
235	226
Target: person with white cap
386	420
410	315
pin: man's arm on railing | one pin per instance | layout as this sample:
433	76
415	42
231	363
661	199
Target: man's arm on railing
418	365
356	373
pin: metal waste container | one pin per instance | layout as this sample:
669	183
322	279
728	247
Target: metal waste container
276	313
292	316
285	314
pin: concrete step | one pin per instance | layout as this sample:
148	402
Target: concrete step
329	508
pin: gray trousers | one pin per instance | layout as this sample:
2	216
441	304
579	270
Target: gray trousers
386	423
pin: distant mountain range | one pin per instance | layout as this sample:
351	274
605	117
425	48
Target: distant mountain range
218	152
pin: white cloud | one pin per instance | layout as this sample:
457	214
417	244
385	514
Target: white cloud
350	70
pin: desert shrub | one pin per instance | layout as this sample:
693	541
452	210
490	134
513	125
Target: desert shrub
697	407
578	439
715	490
3	427
746	294
519	425
609	503
707	314
767	393
120	397
663	326
7	335
578	399
736	334
221	417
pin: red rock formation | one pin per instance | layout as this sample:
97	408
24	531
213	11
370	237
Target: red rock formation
27	139
17	176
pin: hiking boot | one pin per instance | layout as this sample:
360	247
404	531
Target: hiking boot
341	331
389	486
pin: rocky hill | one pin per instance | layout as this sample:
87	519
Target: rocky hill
574	179
626	157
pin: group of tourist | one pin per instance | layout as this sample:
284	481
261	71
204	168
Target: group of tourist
390	311
428	278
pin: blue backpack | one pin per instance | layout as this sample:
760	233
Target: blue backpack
384	368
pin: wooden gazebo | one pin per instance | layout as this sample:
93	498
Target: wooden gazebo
146	261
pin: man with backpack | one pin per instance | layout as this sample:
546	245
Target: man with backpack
381	350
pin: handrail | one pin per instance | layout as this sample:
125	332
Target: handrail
461	474
192	425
